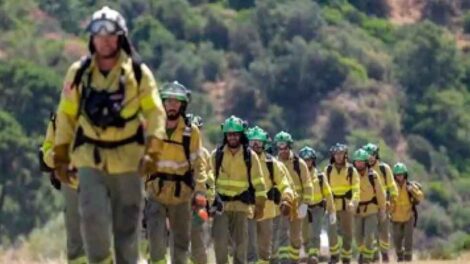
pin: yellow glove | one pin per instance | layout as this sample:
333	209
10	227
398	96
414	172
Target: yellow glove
148	163
61	163
259	208
286	207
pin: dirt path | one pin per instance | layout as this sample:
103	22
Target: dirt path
405	11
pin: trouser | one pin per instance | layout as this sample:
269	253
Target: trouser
232	227
384	234
260	235
276	234
198	241
403	239
312	230
366	229
290	240
110	207
343	226
75	249
179	217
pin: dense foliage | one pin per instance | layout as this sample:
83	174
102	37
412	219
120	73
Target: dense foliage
325	71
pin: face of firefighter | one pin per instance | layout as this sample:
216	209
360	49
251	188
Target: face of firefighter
233	140
309	163
284	151
400	179
257	146
172	108
106	46
360	165
340	157
372	160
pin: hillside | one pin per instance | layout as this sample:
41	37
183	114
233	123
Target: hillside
395	72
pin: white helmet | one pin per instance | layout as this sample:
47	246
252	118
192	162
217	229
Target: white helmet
107	21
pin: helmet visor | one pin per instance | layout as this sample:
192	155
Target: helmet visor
104	27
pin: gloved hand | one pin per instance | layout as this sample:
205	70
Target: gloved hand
387	206
303	209
61	163
217	207
148	163
352	205
259	208
332	218
285	208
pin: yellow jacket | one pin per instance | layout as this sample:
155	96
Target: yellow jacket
341	184
233	179
402	209
47	149
173	161
389	183
143	100
322	194
302	183
271	209
370	193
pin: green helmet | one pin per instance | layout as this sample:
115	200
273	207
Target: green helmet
372	148
175	90
283	137
257	133
233	124
308	153
400	168
361	155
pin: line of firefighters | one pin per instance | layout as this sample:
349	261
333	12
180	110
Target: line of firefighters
115	135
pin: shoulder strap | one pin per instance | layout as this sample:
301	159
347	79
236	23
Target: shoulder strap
219	156
137	68
270	165
247	158
52	119
350	173
187	143
297	170
328	172
320	180
384	172
84	64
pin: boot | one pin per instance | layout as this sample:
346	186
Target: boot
408	257
385	257
334	259
360	259
313	260
400	257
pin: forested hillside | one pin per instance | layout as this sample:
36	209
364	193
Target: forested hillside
326	71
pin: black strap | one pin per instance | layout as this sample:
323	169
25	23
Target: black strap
347	195
185	142
366	204
296	164
52	119
320	180
384	172
187	179
349	176
85	64
270	166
